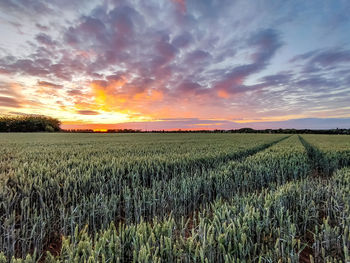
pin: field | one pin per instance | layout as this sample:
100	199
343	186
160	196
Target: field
174	198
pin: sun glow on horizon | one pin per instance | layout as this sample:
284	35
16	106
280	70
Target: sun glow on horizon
100	130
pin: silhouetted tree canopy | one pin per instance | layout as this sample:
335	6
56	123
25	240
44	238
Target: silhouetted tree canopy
29	123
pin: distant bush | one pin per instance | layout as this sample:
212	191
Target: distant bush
29	123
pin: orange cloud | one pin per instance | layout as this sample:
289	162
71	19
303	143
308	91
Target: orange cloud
106	92
223	94
152	95
118	94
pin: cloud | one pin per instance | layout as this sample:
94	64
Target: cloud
318	82
182	40
31	7
319	60
165	59
117	32
331	57
266	43
25	66
197	56
74	92
45	39
7	89
88	112
49	84
189	88
9	102
277	79
42	27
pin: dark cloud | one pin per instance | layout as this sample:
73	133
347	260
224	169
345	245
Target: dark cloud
49	84
331	57
44	39
7	90
87	32
9	102
28	7
74	92
189	88
42	67
320	60
26	66
197	56
183	40
88	112
277	79
166	51
265	43
41	27
318	82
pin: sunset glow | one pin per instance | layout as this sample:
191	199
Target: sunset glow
177	64
100	130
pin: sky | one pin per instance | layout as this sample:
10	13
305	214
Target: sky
177	64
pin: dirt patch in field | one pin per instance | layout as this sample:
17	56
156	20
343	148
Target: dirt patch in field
54	246
308	251
304	256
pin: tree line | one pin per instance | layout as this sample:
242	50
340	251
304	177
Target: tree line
29	123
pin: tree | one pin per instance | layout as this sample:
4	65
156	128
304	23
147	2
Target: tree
29	123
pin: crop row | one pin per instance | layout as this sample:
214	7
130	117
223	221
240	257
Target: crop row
280	163
61	212
300	219
50	189
39	208
328	152
146	158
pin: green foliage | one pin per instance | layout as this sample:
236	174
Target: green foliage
328	152
29	123
170	198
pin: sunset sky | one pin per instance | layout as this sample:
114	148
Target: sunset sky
177	64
